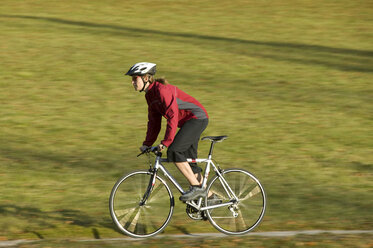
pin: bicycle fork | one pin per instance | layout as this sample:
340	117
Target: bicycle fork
150	187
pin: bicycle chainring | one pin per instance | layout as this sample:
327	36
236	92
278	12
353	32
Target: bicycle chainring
195	214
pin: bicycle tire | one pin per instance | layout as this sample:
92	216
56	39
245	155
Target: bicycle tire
130	215
250	207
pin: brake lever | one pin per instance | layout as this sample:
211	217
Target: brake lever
143	152
140	154
147	150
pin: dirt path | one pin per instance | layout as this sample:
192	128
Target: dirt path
221	235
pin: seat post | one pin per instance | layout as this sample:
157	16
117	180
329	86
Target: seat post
211	149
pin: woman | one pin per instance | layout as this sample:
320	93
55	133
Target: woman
181	110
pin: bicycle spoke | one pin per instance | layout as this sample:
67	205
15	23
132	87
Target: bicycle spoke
121	213
220	194
243	185
132	221
142	186
141	226
122	218
149	219
256	204
241	220
133	218
244	188
154	195
224	192
250	205
226	189
128	204
146	217
232	223
252	193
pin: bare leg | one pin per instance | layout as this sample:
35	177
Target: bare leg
200	183
200	180
187	172
185	169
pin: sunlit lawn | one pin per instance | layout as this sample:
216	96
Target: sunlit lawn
289	82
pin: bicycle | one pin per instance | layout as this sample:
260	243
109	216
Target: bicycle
141	203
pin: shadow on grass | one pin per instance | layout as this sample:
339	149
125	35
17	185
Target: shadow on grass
35	220
182	229
337	58
34	158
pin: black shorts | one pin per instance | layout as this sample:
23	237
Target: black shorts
185	143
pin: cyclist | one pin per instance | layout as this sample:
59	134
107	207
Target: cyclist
181	110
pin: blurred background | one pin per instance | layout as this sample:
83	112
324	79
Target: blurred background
290	83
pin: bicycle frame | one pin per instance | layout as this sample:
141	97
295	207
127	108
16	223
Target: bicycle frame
141	203
159	166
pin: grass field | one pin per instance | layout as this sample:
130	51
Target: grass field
290	83
324	240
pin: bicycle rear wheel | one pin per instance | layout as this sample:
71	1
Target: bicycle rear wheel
133	216
244	215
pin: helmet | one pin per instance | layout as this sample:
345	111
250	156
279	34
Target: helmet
142	68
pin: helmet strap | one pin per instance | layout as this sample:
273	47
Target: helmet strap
145	83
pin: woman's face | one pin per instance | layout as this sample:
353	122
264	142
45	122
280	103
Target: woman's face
137	82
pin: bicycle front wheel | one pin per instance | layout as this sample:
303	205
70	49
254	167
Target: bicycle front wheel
134	216
246	213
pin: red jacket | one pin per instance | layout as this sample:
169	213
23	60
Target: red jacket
174	105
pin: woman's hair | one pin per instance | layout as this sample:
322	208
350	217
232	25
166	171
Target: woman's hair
161	80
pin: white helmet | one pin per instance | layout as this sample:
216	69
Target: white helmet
142	68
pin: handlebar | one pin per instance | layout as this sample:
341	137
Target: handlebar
153	149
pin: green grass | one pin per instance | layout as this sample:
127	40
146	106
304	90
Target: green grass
290	82
324	240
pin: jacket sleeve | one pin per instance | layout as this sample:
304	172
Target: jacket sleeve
171	113
154	126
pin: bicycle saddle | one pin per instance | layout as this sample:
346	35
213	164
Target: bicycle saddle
215	138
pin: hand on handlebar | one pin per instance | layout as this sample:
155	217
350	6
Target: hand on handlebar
147	149
161	147
144	148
